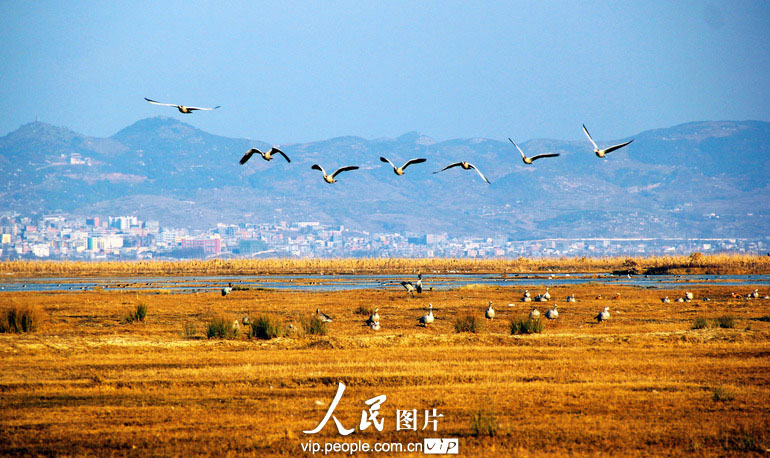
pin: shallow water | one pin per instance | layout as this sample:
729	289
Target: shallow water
182	284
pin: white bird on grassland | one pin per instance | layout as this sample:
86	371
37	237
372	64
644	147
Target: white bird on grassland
604	315
322	316
428	317
490	312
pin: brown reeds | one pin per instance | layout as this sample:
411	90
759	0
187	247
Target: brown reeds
695	263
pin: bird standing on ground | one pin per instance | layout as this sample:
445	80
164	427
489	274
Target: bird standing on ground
374	317
534	313
466	166
266	155
409	287
603	152
529	160
322	316
400	170
552	314
426	319
227	289
330	178
182	108
604	315
490	312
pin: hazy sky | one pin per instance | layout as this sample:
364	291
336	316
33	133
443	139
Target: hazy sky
300	71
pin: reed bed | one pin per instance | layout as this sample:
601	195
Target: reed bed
695	263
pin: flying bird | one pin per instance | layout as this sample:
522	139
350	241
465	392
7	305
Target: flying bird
529	160
181	108
400	170
330	178
602	152
266	155
466	166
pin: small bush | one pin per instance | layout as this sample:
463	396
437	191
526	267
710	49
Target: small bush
137	315
315	326
483	424
266	327
526	326
722	394
363	310
20	319
190	330
724	322
745	440
700	323
468	323
221	328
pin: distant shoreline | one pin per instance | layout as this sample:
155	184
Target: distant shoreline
695	263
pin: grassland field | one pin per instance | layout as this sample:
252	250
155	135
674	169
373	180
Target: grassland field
644	383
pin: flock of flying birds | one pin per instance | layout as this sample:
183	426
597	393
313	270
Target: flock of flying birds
330	178
374	320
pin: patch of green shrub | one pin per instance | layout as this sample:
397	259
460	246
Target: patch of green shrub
190	330
363	310
266	327
315	327
724	322
722	394
468	323
221	328
527	326
483	424
137	315
20	319
700	323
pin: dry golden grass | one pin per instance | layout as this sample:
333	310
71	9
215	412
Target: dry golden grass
695	263
644	383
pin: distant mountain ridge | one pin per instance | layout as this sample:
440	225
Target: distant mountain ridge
700	179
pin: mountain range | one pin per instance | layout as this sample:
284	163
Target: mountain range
700	179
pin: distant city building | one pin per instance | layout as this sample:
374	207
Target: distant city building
209	246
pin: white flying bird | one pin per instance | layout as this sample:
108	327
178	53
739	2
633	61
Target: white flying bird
603	152
181	108
266	155
529	160
466	166
330	178
400	170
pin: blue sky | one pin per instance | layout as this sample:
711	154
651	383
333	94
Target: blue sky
301	71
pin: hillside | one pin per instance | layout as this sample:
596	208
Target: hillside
698	179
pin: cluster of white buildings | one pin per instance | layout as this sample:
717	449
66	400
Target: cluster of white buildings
128	237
